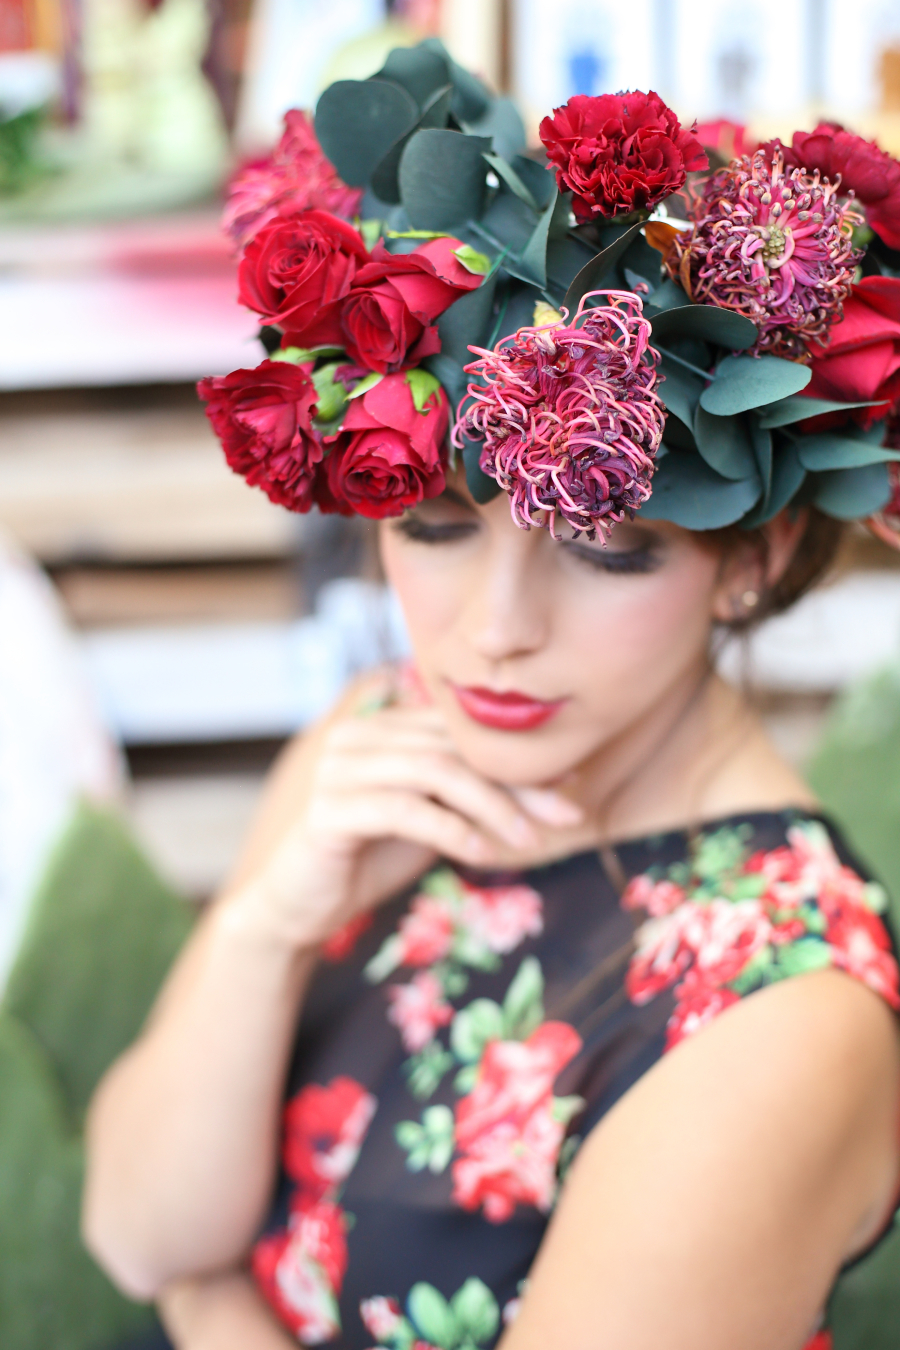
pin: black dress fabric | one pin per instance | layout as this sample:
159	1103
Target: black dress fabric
454	1053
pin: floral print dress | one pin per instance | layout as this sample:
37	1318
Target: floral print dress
458	1045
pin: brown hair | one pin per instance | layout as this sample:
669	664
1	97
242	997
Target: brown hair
812	558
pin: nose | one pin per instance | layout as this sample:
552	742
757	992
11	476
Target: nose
508	614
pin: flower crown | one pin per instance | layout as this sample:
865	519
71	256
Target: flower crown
616	328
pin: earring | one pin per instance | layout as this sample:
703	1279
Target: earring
750	599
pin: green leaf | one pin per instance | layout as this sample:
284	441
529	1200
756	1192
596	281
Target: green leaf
848	494
538	178
594	272
473	1027
707	322
512	180
385	179
371	232
761	441
299	355
744	382
366	383
386	960
467	321
797	407
476	1311
420	70
442	178
451	375
472	98
523	1008
331	394
482	487
432	1316
689	493
466	1079
680	390
408	1133
357	122
502	122
532	262
425	1070
565	1109
479	264
668	295
423	386
796	958
788	475
725	444
825	450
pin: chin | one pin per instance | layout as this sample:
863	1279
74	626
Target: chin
516	759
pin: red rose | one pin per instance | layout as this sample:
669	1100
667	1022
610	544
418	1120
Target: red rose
387	456
296	273
619	153
263	418
865	169
300	1270
323	1131
394	299
861	360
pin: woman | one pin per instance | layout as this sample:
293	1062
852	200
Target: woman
561	932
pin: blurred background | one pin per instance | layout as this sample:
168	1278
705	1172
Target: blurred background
162	628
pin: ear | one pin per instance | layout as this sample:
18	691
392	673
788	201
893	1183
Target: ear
756	564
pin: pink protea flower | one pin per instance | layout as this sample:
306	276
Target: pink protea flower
294	177
569	415
774	246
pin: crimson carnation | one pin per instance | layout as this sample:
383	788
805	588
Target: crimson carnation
263	418
773	245
295	177
388	456
864	168
570	417
619	153
297	272
388	315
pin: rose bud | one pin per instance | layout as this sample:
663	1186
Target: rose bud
619	153
388	315
263	418
296	273
388	455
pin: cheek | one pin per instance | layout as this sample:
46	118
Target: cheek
430	585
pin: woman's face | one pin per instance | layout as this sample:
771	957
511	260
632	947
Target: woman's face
541	652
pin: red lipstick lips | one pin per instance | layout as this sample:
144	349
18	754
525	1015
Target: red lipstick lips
509	711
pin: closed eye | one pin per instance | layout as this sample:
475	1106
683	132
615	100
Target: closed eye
621	562
435	532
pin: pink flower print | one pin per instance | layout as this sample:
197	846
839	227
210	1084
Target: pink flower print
661	957
324	1128
658	898
506	1130
419	1009
500	917
382	1317
724	935
300	1272
860	945
426	932
698	1004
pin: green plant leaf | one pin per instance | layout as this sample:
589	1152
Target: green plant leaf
385	180
357	122
827	450
479	264
668	295
299	355
680	390
476	1311
531	265
451	375
725	444
797	407
848	494
593	273
523	1007
761	440
442	178
482	487
707	322
788	475
472	98
331	394
745	382
689	493
423	386
507	173
467	321
366	383
539	179
420	70
473	1027
503	124
432	1316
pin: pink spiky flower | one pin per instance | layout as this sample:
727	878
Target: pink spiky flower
569	416
774	246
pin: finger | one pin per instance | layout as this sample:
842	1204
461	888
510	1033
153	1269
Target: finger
399	814
549	806
443	777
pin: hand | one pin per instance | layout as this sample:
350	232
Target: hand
220	1312
379	792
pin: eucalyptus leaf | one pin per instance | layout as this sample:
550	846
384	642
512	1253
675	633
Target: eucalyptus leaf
533	259
420	70
482	487
503	124
788	475
357	122
385	177
471	98
539	180
507	221
725	443
708	322
450	373
761	440
507	173
468	320
848	494
442	178
590	276
680	390
668	295
691	494
825	450
744	382
797	407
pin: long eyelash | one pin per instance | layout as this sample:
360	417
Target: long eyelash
424	533
633	562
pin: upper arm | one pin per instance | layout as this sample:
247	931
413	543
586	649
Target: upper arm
714	1205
